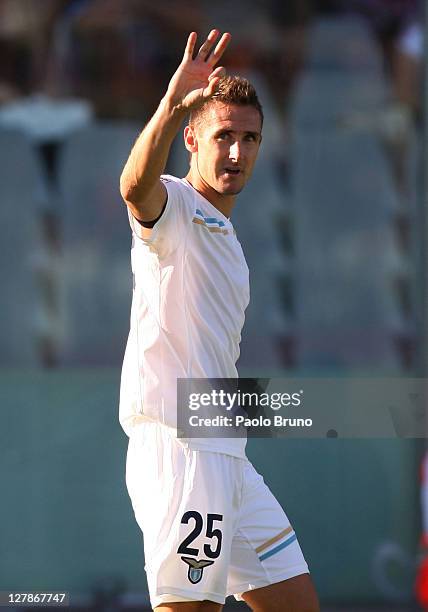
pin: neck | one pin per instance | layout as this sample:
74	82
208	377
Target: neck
223	203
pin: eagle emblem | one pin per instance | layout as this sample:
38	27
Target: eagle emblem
196	568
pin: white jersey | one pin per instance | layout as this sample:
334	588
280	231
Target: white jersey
191	290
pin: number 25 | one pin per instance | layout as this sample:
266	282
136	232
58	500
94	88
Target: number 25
184	547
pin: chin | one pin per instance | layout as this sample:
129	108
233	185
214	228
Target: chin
233	192
230	191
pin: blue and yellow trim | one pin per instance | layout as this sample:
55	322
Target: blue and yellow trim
210	223
271	547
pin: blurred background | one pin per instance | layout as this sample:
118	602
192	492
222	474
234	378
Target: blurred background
336	246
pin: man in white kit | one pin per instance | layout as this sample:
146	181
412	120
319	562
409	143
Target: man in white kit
211	526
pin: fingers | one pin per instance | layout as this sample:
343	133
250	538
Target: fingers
206	48
190	46
206	52
220	48
211	89
218	72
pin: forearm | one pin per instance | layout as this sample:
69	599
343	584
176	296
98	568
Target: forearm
147	160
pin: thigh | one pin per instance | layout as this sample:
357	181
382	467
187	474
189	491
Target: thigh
265	549
186	503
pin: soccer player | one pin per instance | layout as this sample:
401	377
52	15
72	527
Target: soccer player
211	526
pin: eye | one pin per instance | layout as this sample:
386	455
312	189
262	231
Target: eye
250	138
222	136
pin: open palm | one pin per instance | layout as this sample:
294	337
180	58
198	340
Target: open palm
196	79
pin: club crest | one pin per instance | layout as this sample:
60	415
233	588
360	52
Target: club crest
196	568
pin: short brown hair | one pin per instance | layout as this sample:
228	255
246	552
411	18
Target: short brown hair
231	90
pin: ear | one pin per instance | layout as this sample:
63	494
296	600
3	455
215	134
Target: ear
190	139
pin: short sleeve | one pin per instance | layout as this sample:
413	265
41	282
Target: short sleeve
174	223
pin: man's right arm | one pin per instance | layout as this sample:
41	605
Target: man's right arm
194	82
140	185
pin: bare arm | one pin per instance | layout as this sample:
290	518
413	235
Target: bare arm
194	82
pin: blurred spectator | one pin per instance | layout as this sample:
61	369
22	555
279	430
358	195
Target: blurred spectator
397	25
118	55
397	28
284	66
91	54
25	34
409	51
158	33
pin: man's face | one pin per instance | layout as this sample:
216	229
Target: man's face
227	141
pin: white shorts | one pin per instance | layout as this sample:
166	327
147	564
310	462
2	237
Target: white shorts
211	526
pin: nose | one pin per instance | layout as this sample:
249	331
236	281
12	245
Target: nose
235	151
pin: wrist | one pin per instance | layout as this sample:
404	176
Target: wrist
172	108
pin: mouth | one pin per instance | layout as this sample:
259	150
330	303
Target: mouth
232	171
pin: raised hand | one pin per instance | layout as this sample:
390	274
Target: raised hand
194	82
196	79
